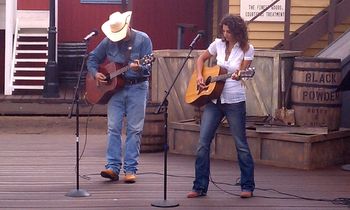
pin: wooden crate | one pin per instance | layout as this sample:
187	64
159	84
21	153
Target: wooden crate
282	150
263	90
164	70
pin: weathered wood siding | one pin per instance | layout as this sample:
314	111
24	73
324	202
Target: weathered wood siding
263	90
164	71
266	35
283	150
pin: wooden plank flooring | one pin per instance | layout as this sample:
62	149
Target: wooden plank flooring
37	170
65	95
36	104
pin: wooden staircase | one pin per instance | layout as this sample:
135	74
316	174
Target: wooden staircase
30	51
317	27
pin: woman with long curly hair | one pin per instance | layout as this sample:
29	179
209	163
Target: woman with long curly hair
233	53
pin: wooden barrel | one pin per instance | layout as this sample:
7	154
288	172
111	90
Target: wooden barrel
153	130
70	57
313	95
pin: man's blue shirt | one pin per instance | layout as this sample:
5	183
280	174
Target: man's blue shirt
116	52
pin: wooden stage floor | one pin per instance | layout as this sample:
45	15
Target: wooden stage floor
37	170
35	104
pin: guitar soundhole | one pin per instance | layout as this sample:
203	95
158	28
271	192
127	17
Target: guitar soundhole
108	78
208	80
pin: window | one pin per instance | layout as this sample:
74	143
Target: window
102	1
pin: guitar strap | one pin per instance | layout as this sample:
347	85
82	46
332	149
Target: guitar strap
130	44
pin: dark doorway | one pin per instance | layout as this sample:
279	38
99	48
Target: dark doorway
2	60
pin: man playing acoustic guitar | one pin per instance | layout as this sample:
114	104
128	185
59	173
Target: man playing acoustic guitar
122	46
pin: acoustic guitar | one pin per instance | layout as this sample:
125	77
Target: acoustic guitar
100	92
214	79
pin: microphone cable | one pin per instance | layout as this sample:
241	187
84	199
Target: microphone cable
336	201
85	144
86	131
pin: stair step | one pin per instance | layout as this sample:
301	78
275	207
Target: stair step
28	87
33	30
32	43
29	78
29	69
31	60
32	51
33	35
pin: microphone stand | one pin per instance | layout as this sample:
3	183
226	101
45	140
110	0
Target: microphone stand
78	192
163	107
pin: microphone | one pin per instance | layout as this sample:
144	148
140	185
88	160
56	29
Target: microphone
91	34
199	35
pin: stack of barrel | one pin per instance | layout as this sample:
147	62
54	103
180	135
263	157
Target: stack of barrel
153	137
314	99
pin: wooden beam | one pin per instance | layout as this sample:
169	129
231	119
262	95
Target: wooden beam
291	129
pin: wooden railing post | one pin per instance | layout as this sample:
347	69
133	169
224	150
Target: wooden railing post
331	20
287	25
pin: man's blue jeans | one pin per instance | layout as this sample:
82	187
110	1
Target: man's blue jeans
130	102
211	118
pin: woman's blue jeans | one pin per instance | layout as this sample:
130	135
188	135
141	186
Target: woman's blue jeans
211	118
129	102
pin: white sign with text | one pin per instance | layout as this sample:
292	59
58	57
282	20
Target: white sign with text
250	8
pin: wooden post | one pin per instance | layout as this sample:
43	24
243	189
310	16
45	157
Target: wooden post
287	26
51	74
331	20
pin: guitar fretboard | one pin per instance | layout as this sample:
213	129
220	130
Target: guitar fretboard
243	74
221	77
118	72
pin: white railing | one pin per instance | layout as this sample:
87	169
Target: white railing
27	19
13	60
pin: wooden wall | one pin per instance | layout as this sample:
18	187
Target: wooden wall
158	18
33	4
2	60
266	35
76	20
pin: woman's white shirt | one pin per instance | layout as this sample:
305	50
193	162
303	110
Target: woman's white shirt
233	91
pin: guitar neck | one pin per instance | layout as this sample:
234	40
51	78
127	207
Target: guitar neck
145	60
248	73
118	72
221	77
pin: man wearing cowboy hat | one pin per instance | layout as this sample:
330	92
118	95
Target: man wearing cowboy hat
123	45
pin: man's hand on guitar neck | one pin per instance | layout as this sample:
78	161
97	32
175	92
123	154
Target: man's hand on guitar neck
135	65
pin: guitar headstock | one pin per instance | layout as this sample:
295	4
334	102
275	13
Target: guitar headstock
247	73
147	59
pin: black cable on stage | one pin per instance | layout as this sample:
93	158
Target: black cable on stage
336	201
86	131
85	143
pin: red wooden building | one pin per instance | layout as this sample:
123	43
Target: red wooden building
171	24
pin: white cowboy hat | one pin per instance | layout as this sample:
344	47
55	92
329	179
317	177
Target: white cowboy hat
117	26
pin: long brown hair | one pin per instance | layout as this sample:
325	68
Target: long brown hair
238	28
